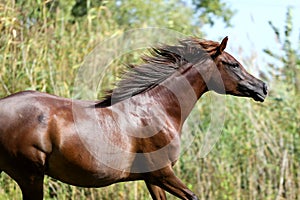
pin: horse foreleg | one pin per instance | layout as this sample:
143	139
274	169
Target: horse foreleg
166	179
156	192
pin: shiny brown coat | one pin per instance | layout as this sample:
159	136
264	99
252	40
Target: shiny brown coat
128	137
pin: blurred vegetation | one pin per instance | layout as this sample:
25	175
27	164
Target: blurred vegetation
289	71
42	44
209	10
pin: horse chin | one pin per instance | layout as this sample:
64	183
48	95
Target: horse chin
250	94
259	97
256	93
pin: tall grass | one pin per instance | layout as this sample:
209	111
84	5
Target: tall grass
256	157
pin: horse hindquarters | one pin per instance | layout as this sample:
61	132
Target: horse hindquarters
24	143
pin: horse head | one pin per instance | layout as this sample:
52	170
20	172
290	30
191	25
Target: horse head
235	80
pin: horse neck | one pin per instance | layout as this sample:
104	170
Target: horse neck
180	92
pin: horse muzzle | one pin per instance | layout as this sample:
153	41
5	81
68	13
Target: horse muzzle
258	90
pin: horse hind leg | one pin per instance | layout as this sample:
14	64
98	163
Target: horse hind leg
29	178
31	187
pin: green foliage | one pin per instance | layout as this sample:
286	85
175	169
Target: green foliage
210	9
42	44
171	14
81	7
290	57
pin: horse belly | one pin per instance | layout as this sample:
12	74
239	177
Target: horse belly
76	165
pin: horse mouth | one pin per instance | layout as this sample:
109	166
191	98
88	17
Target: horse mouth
259	97
257	93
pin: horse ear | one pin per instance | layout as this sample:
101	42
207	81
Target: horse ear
223	45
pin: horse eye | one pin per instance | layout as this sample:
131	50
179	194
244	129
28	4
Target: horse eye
234	65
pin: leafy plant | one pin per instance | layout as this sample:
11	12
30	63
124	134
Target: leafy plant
42	44
209	10
290	57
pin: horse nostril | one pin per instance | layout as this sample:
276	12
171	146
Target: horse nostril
265	88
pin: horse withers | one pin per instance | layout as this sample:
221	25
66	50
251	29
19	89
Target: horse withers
132	134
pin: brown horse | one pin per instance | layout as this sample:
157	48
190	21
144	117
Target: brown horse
133	134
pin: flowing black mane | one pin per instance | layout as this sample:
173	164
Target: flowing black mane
162	62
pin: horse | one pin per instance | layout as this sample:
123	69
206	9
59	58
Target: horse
133	133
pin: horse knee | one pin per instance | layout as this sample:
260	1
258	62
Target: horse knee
156	192
194	197
166	179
